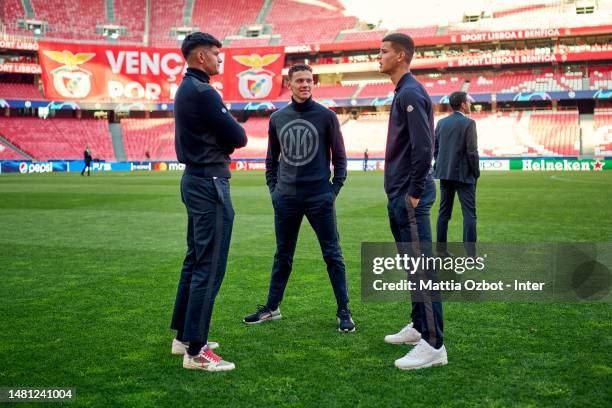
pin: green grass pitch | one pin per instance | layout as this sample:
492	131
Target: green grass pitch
89	268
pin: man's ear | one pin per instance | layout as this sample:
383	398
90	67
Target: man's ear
402	54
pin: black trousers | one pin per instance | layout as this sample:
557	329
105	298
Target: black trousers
209	230
321	214
411	230
87	167
467	198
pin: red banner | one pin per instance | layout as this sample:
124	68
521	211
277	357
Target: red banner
485	36
514	58
20	68
11	43
130	73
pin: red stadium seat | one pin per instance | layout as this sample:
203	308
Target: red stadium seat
163	19
71	19
19	91
132	15
323	23
58	138
223	18
155	136
6	153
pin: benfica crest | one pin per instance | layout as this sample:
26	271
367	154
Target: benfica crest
70	80
255	82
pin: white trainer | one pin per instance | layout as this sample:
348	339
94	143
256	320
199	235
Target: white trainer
422	356
179	348
408	335
207	361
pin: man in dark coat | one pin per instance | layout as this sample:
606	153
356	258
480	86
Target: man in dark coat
457	167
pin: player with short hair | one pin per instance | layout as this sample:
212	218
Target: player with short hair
303	138
206	134
411	192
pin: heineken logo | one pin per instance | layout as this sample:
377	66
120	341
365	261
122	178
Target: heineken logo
563	165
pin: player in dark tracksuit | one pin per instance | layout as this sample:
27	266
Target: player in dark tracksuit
302	140
206	134
411	192
87	159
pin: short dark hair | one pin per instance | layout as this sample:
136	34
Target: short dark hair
198	39
456	99
299	67
401	42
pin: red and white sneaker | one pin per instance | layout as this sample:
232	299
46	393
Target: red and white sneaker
207	361
179	348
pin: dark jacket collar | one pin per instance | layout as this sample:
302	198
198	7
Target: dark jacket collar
199	74
304	106
405	78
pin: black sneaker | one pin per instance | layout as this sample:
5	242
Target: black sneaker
345	321
262	314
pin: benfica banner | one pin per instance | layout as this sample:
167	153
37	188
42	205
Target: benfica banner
514	58
14	43
20	68
73	72
486	36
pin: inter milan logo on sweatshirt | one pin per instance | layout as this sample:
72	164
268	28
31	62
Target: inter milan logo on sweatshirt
299	142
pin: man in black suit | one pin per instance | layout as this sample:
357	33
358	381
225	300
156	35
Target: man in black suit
457	167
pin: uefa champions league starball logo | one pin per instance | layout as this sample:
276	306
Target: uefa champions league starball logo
70	80
255	82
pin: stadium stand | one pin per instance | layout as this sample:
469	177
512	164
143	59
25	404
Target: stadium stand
58	138
382	89
257	131
519	10
132	15
249	42
555	132
364	35
6	153
525	81
544	14
416	32
600	78
369	131
442	85
66	18
603	131
154	137
323	23
333	91
500	134
19	91
10	12
223	18
163	19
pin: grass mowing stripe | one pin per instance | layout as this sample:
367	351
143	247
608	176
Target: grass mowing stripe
89	276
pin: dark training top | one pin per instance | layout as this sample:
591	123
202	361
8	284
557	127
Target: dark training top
206	133
410	139
302	139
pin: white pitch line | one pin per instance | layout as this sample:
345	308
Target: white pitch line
577	181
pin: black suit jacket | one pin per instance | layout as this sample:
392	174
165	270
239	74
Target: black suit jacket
456	149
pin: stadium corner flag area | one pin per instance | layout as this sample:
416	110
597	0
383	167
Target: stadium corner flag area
300	203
